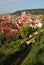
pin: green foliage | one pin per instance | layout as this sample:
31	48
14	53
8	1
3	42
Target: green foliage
11	48
36	55
25	31
2	38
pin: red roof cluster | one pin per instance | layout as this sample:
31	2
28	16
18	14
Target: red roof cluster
11	24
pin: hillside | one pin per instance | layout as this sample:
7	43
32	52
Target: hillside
32	11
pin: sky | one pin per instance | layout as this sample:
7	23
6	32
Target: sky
9	6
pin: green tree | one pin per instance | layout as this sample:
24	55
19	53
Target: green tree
25	31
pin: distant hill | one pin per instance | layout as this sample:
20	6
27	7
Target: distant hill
32	11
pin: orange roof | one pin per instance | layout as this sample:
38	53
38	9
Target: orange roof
25	24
